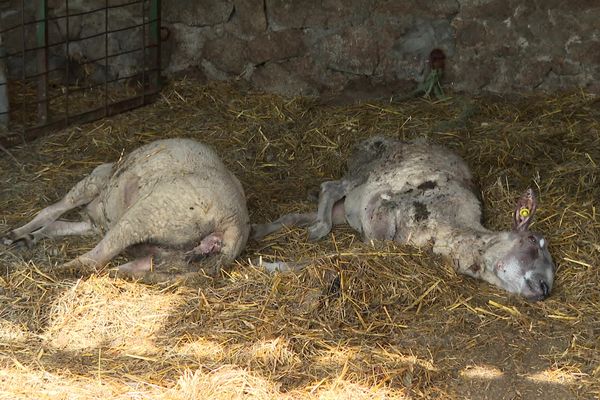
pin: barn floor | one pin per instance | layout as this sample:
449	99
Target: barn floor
400	325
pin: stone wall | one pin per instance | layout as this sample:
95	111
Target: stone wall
311	46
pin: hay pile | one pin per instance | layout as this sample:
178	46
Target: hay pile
361	321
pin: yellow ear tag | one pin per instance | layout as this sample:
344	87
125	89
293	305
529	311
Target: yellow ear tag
524	212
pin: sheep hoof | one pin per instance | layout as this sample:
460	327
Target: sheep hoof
27	240
318	231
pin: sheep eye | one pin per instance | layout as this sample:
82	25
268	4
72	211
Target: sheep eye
532	239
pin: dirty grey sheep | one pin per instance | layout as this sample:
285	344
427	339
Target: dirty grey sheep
171	200
422	194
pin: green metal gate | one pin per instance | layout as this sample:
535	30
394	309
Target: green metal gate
75	61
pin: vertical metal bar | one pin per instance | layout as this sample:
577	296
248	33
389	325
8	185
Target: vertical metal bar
155	39
143	3
4	99
106	58
68	63
42	61
23	59
23	39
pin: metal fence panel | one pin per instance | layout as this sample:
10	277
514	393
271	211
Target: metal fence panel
74	62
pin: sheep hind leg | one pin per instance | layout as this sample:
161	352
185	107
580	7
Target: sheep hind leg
82	193
122	235
137	266
259	231
331	193
157	277
63	228
142	270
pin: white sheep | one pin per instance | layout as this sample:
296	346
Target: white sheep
422	194
168	201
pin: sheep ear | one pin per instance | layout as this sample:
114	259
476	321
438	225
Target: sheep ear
524	211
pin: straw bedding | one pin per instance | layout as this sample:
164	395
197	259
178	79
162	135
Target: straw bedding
362	321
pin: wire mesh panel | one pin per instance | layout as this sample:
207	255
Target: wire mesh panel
73	61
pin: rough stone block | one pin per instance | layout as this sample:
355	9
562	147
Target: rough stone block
227	53
277	45
197	12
